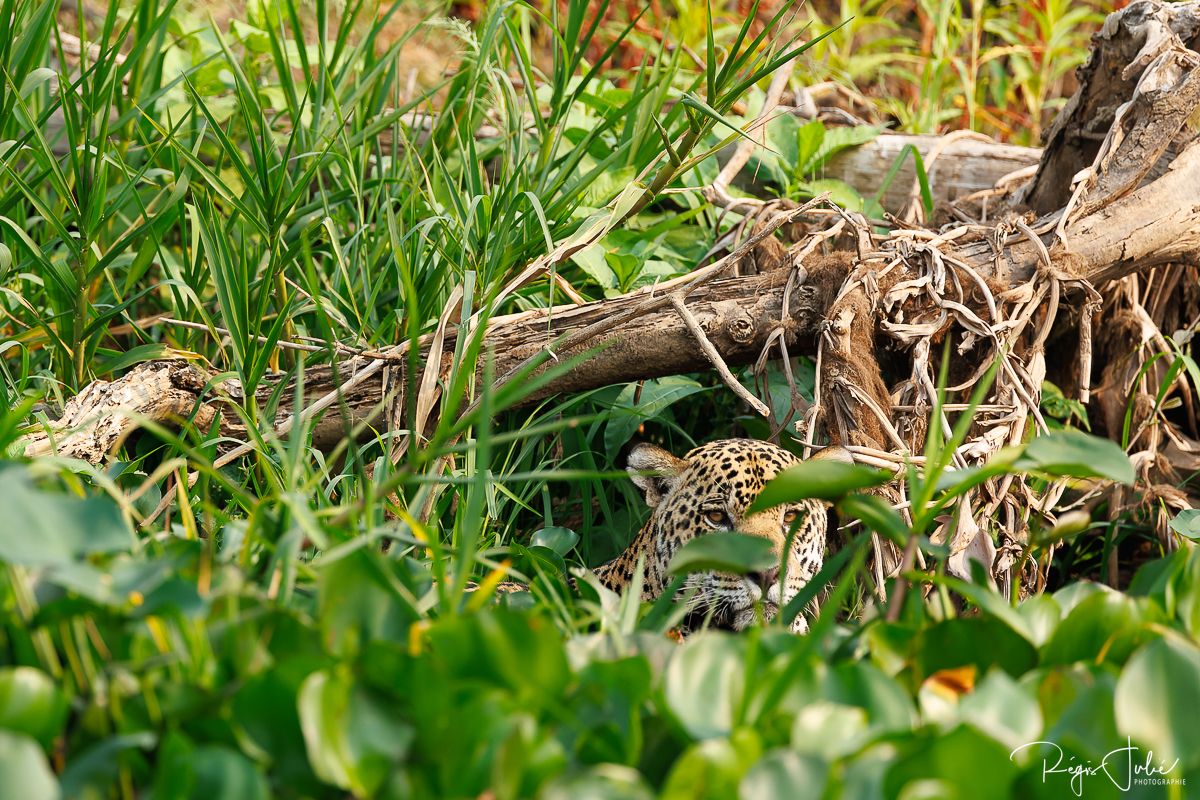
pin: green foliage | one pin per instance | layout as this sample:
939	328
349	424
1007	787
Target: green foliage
1001	68
799	151
297	623
738	553
195	672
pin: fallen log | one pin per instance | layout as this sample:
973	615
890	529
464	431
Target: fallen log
957	165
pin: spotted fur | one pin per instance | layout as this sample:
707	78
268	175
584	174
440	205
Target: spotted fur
706	492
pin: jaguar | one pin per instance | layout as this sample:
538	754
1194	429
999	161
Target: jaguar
707	491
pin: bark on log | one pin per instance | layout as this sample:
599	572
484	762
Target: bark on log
960	166
1124	52
957	165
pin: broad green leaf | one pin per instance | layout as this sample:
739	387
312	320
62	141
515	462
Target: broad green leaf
1073	594
31	703
1077	706
1003	710
508	650
354	738
265	710
1187	523
822	480
838	139
1186	588
357	602
738	553
222	772
809	138
888	704
963	763
1077	455
829	730
558	539
710	665
839	192
982	641
592	261
784	773
782	133
24	771
601	782
42	528
1157	698
1106	626
653	398
712	768
92	770
1041	614
607	185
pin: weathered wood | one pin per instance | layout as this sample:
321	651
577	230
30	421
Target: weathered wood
962	166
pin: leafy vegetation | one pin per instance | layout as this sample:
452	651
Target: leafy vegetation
173	665
299	622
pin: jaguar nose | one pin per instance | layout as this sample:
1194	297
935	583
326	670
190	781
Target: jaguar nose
765	579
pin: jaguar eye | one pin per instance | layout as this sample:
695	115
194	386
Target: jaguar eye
790	517
716	517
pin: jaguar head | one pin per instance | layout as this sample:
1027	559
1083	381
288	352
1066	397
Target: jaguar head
708	492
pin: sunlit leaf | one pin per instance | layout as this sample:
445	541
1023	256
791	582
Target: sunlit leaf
781	772
712	666
31	703
1187	523
24	771
1076	454
353	737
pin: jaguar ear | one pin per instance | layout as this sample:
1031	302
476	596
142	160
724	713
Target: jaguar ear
833	453
665	469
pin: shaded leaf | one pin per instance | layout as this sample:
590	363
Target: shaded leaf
822	480
1157	696
653	399
560	540
1187	523
738	553
44	528
222	772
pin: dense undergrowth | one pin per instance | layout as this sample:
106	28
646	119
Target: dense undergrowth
297	623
